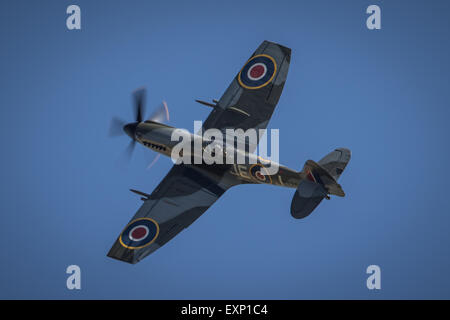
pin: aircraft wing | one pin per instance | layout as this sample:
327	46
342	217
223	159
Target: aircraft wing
181	197
253	94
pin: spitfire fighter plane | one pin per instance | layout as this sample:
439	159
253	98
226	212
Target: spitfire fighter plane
188	190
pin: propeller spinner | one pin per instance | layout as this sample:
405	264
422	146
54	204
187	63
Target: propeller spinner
119	126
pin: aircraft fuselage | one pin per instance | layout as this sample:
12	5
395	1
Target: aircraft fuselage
250	169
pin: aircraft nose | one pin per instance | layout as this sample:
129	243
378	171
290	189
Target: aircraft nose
130	129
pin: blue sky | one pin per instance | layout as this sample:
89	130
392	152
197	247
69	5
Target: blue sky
383	94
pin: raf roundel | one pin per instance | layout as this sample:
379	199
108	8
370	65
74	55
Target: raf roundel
139	233
260	174
258	72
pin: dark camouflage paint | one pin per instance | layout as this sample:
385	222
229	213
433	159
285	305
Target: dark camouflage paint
188	191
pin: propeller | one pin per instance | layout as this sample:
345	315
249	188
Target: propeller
139	103
161	113
119	127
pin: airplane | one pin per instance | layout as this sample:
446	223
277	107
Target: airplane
188	190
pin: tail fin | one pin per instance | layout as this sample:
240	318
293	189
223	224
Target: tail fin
314	172
336	161
319	180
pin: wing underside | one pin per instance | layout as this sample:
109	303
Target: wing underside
181	197
253	94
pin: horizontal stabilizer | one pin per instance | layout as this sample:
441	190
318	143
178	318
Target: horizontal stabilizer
307	197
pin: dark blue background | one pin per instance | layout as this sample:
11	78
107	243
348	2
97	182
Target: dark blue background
383	94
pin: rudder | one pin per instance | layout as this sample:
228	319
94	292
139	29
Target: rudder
318	181
336	161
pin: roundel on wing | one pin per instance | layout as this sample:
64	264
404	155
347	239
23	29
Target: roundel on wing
139	233
257	72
